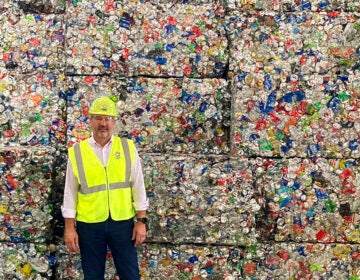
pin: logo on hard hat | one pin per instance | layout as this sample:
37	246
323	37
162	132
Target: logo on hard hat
104	107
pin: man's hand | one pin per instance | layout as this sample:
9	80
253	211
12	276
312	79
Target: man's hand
71	240
71	237
139	233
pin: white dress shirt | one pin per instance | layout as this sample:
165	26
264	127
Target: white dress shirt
140	201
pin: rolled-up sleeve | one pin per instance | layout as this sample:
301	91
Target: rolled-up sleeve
68	208
140	200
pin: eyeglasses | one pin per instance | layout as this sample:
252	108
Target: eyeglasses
103	118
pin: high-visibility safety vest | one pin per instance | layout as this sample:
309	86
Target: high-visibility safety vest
103	190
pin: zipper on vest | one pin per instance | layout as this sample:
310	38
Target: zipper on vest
107	189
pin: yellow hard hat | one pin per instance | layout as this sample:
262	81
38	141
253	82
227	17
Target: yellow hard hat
103	106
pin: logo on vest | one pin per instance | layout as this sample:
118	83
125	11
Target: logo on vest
117	155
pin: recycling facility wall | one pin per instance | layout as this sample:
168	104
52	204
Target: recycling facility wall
245	114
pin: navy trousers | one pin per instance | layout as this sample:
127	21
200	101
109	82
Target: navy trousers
95	238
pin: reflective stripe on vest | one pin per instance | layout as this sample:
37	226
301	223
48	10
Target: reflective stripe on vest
84	188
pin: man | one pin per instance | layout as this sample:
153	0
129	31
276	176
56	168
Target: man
104	191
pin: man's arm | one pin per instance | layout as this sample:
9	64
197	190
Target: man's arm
68	210
140	201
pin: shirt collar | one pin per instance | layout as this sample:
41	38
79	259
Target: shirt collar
93	142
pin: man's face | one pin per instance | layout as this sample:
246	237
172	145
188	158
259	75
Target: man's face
102	126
